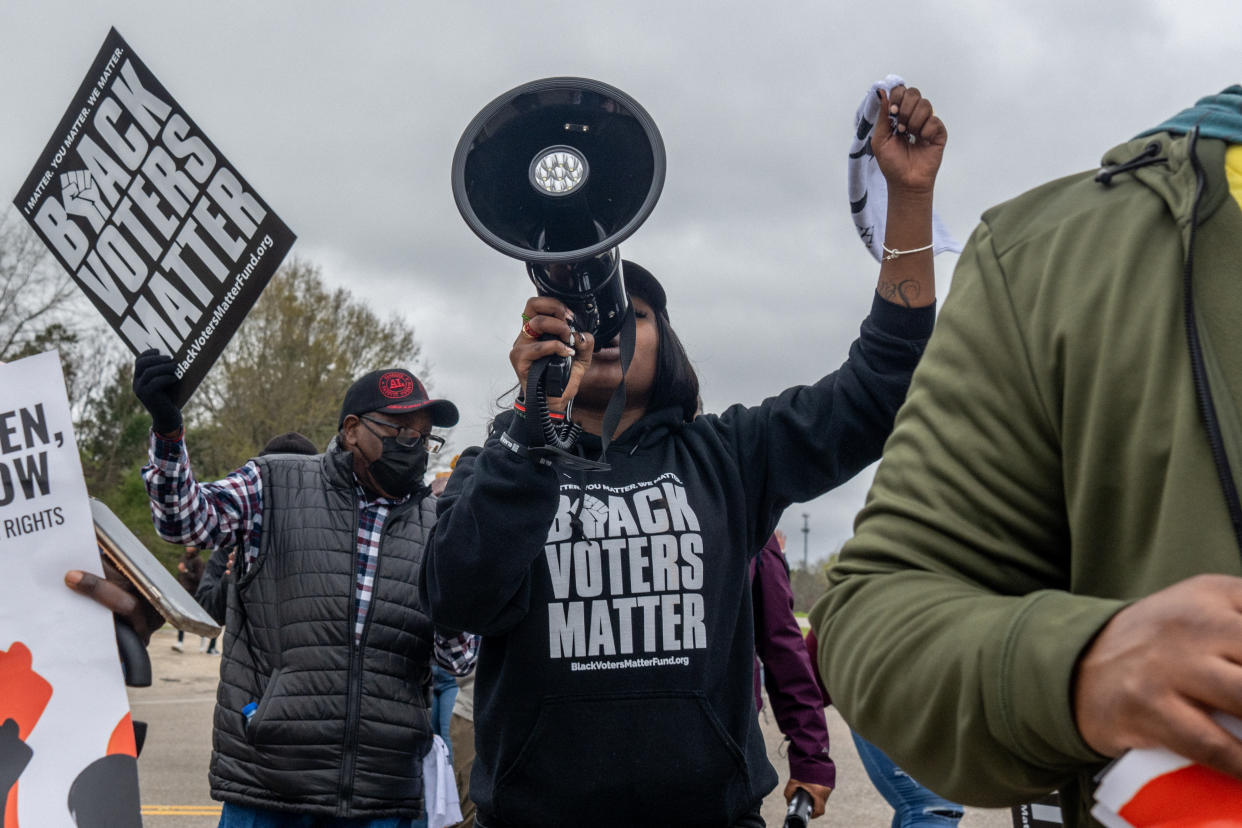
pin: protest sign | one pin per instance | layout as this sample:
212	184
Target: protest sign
66	739
159	230
1156	788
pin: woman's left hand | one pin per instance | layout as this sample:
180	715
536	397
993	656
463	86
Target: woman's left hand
909	166
819	795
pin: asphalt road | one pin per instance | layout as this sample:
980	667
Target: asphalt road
172	770
177	708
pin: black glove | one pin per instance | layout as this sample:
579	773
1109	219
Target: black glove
154	379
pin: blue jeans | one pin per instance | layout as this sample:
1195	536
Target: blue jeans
443	694
913	805
239	816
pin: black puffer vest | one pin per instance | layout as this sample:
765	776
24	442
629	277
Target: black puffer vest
339	730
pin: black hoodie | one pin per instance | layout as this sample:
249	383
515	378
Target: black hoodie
614	678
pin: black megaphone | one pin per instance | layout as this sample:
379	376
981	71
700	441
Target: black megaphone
558	172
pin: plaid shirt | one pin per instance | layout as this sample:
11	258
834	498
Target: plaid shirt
209	514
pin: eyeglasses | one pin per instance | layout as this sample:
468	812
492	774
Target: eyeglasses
405	437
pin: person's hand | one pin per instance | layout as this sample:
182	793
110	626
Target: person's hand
115	592
228	568
154	379
819	795
545	315
908	166
1159	667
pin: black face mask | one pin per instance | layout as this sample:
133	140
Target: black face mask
398	470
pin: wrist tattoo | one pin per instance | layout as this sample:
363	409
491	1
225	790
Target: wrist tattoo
903	292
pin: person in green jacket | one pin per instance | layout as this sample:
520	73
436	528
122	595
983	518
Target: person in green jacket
1048	569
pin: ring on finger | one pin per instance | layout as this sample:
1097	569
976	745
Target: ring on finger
528	330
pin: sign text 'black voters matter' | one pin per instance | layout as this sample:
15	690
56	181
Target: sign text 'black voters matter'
163	234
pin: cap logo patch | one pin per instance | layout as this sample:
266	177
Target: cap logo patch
395	385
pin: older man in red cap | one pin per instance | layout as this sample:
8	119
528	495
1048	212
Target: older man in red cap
322	707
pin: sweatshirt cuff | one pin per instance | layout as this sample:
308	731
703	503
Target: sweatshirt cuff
902	322
813	770
1034	672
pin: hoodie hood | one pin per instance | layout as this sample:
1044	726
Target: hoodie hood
1217	116
1160	157
1172	175
652	427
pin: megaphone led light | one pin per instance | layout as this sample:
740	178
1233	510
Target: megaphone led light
558	171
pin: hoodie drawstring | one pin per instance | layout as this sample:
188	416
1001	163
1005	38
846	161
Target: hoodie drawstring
1203	390
1149	155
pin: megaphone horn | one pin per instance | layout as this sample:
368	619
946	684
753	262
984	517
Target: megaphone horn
558	172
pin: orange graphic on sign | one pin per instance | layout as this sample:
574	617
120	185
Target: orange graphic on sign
1190	797
24	695
23	692
122	739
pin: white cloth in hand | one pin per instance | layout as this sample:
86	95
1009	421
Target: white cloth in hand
868	190
440	787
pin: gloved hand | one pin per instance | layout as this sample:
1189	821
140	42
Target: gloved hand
153	383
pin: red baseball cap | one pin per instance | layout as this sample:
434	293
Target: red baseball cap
394	391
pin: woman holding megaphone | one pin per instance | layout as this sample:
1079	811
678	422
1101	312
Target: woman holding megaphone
614	678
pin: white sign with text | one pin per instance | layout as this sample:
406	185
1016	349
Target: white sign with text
67	755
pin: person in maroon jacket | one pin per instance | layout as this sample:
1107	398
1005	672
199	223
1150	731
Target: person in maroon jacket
789	676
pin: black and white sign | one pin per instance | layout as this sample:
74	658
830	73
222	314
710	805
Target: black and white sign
163	234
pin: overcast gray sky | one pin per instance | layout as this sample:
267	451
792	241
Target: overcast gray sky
344	116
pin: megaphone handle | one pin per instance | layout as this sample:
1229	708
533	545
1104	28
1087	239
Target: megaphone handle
540	428
555	372
135	662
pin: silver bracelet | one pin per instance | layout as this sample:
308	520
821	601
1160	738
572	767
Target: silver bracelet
890	253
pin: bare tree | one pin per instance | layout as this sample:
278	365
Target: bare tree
35	292
41	309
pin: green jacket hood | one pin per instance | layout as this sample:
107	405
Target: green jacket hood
1172	175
